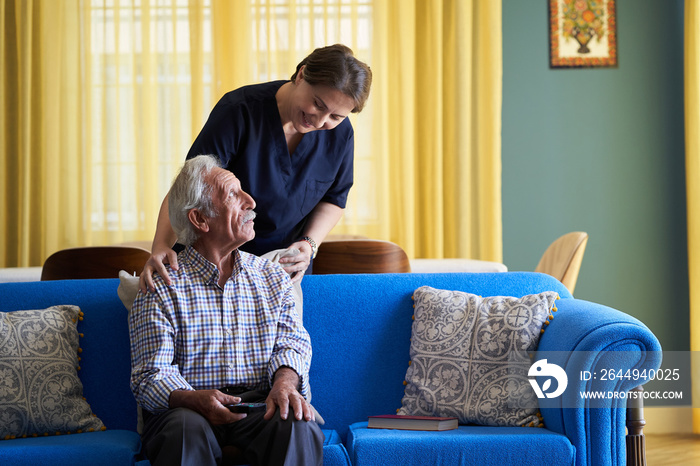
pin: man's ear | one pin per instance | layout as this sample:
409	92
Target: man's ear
198	220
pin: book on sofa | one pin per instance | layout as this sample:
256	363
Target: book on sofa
397	421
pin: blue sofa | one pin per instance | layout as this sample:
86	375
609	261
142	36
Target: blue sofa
360	327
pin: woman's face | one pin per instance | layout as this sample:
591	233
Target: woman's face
317	107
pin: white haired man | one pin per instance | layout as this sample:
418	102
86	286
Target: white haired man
225	331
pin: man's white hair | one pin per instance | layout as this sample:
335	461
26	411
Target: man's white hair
190	191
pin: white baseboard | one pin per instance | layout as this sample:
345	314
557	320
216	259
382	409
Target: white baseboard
668	419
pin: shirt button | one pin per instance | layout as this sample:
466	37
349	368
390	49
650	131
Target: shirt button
231	366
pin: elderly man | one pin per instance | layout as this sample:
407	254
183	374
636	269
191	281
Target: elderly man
225	331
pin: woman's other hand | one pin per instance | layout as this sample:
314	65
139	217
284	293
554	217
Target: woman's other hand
297	264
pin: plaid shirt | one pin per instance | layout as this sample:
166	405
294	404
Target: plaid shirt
194	335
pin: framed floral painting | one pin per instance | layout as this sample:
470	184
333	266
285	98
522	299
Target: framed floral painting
582	33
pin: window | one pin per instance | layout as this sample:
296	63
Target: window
145	79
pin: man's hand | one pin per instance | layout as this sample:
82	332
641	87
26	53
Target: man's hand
208	403
285	395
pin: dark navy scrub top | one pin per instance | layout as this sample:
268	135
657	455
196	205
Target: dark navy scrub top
245	131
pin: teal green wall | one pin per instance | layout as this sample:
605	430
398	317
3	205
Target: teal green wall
602	151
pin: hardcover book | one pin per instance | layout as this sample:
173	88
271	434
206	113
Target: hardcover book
397	421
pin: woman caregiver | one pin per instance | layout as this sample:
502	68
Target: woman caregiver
290	143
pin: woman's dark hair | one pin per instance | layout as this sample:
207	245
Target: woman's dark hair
335	66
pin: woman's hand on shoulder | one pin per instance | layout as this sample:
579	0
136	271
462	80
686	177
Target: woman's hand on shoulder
156	263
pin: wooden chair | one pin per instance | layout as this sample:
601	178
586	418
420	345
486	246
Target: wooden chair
563	257
360	256
94	262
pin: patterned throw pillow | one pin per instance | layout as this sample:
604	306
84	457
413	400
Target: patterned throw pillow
40	393
469	356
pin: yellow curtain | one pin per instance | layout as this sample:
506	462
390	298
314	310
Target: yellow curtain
101	100
437	109
692	148
42	106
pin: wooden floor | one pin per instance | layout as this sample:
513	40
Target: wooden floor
673	449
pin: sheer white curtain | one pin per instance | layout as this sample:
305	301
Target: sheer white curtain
147	82
107	96
157	67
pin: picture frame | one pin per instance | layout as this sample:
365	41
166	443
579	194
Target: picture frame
582	34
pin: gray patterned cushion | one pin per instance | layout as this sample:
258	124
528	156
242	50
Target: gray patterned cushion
469	356
40	392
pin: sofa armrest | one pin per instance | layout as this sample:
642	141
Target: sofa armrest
587	340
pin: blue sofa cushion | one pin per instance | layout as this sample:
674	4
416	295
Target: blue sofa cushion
334	452
114	447
466	445
469	356
111	447
40	392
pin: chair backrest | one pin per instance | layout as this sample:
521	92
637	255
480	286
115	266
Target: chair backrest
563	257
94	262
360	256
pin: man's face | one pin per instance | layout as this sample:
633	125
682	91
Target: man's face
233	226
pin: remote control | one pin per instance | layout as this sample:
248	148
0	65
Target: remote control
246	407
